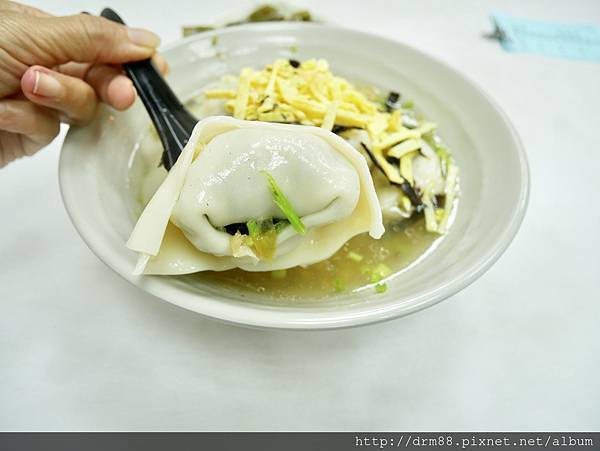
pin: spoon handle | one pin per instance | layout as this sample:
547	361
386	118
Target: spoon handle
173	122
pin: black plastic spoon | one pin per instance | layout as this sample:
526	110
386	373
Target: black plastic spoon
172	120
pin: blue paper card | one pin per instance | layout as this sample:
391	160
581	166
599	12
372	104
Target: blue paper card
576	41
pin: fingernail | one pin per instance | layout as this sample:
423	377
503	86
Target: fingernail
143	38
47	86
161	63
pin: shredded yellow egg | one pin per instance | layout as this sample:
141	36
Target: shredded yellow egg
310	94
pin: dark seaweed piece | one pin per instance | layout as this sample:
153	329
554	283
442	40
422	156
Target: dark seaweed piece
237	227
410	192
393	101
439	201
404	186
294	63
242	227
280	222
337	129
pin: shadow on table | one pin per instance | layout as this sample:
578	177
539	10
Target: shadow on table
181	324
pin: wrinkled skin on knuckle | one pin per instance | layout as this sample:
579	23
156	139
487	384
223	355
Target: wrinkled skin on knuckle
7	115
69	37
88	33
20	38
14	56
98	34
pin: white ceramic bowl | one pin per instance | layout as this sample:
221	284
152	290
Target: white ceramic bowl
493	168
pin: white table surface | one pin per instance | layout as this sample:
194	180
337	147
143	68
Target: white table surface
80	348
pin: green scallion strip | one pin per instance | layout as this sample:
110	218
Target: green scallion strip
379	272
381	288
354	256
339	285
254	228
284	205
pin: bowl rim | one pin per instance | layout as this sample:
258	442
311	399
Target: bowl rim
250	315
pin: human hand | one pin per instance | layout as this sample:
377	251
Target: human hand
55	69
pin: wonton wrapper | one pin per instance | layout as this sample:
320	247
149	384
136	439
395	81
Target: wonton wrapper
164	249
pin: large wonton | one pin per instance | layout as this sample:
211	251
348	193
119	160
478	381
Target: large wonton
221	180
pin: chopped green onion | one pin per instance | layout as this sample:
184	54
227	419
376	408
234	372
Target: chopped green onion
408	104
284	205
253	228
381	288
354	256
339	285
379	272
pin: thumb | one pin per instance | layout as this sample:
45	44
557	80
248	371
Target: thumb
86	39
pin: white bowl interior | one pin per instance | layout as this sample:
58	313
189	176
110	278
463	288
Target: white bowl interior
493	170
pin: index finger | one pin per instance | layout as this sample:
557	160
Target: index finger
112	86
